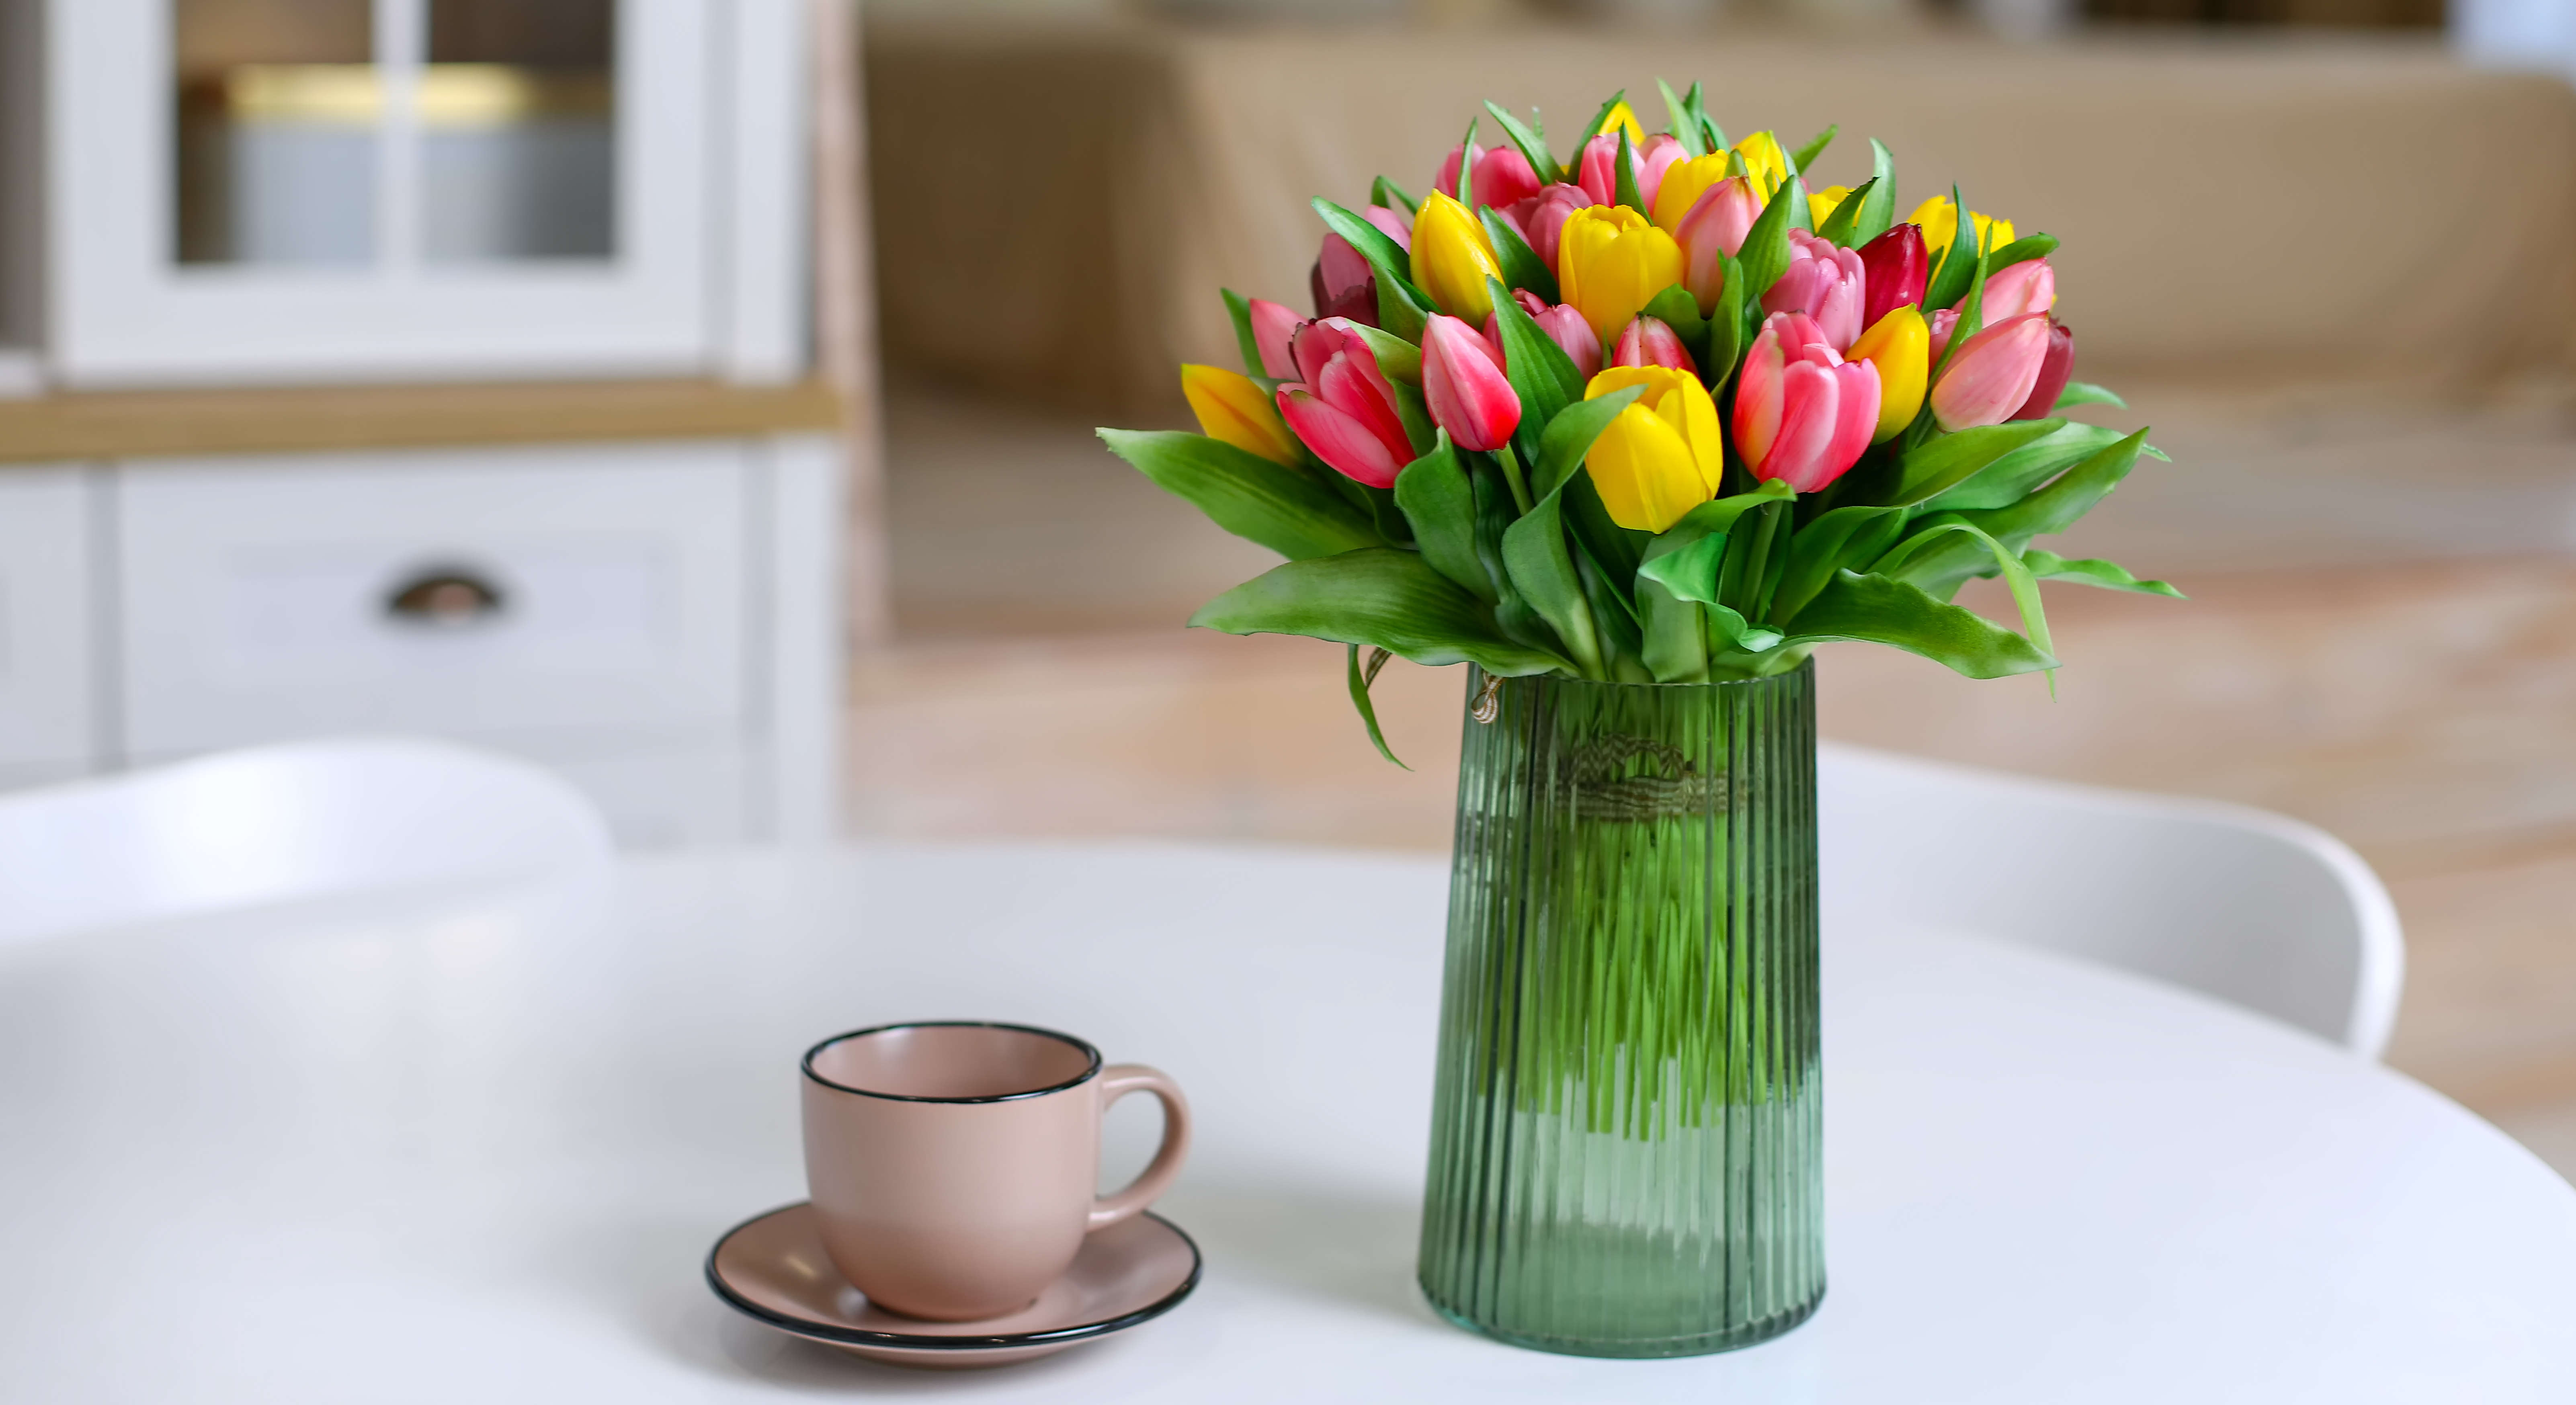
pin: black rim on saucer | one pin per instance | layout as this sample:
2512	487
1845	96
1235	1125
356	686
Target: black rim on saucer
907	1341
1091	1065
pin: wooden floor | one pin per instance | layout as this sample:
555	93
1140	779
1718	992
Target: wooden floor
2424	710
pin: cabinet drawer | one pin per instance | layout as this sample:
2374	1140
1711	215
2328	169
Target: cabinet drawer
515	591
45	619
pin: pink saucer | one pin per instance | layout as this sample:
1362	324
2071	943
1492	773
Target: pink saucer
773	1270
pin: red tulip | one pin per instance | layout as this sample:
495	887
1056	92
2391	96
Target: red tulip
1824	281
1895	269
2028	286
2054	369
1343	283
1715	226
1502	176
1648	341
1802	413
1464	384
1274	327
1993	373
1344	409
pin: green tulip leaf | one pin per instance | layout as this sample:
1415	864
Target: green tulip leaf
1382	598
1386	192
2017	577
1440	504
1675	643
1941	463
1399	359
1535	554
1625	173
1765	252
1495	513
1616	550
1595	127
1542	375
2022	250
1877	610
1950	280
1465	194
1718	515
1286	510
1533	146
1845	536
2109	575
1360	679
1568	437
1414	413
2011	477
1250	345
1805	156
1725	327
1687	571
1520	263
1839	225
1878	208
1802	214
1677	309
1728	631
2056	507
2087	393
1685	128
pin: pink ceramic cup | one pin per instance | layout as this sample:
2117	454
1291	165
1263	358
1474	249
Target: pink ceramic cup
953	1164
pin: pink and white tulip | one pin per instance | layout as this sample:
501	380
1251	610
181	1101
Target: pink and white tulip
1274	329
1344	409
1649	341
1502	176
2028	286
1464	384
1992	374
1802	413
1712	232
1824	281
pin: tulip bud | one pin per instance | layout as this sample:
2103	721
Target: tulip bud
1573	336
1765	161
1894	271
1344	409
1940	223
1464	385
1682	186
1802	413
1597	168
1234	410
1993	373
1611	263
1655	160
1452	258
1824	281
1394	224
1274	327
2054	370
1529	303
1712	232
1542	218
1661	456
1648	341
1939	328
1900	346
1343	283
2028	286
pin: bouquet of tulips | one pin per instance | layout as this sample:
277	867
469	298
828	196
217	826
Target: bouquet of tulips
1663	415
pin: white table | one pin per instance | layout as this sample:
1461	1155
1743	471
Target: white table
474	1147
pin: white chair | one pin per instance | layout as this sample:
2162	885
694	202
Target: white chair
2236	903
279	823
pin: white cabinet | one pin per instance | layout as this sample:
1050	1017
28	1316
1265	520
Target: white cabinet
585	596
46	624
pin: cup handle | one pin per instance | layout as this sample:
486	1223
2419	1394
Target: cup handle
1117	1081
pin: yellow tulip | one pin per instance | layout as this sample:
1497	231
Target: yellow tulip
1663	455
1683	185
1234	410
1940	222
1764	158
1620	117
1452	258
1822	203
1609	264
1900	346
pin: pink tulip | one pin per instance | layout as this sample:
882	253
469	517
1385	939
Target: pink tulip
1344	409
1597	170
1941	324
1649	341
1464	384
1993	373
1541	218
1661	153
1343	283
2028	286
2054	369
1712	232
1274	327
1570	332
1529	302
1802	413
1502	176
1825	282
1394	224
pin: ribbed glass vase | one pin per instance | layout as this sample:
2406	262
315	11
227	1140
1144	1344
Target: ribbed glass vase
1626	1136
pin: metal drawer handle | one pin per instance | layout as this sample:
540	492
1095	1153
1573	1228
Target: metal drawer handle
446	597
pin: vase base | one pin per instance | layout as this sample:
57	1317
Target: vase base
1640	1348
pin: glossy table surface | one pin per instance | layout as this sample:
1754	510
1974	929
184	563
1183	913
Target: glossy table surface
474	1145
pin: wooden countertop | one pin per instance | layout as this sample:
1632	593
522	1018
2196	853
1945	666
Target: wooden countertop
149	424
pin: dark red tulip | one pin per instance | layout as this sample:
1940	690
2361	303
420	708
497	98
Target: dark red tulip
2053	372
1895	269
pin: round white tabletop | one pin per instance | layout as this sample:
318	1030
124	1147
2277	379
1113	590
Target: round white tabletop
475	1146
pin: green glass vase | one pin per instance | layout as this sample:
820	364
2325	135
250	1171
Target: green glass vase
1627	1128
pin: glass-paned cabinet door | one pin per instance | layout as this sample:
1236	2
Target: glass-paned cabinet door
248	190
